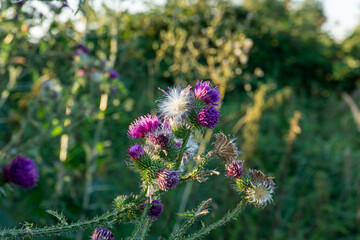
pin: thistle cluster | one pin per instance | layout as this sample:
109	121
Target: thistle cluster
257	188
168	138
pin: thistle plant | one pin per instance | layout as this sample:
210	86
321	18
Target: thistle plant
161	157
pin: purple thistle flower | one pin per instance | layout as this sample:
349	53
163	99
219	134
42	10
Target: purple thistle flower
162	140
102	234
22	171
167	179
206	93
20	3
235	169
209	117
155	209
136	151
113	74
143	125
81	49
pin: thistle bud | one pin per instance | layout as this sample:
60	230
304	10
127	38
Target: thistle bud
155	209
167	179
235	169
208	117
136	151
21	171
102	234
161	140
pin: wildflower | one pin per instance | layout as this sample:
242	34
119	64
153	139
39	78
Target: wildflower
155	209
167	179
260	190
174	105
81	49
206	93
136	151
208	117
235	169
113	74
22	171
102	234
20	3
142	126
224	148
81	72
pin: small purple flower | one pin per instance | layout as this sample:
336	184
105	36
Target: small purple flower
81	49
113	74
162	140
155	209
209	117
235	169
167	179
136	151
22	171
143	125
20	3
65	4
102	234
206	93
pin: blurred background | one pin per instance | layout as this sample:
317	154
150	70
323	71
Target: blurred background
74	74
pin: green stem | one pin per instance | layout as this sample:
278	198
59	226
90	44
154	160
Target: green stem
145	228
141	223
229	216
182	150
180	232
107	218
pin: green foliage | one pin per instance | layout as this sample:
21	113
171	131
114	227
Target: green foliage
271	59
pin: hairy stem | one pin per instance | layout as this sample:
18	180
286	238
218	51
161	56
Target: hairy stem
228	217
107	218
141	223
182	150
145	228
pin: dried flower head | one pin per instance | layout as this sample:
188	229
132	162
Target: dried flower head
142	126
208	117
22	171
102	234
206	93
167	179
174	105
235	169
260	190
155	209
136	151
224	148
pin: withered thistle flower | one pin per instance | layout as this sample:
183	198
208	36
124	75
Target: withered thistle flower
102	234
224	148
260	190
235	169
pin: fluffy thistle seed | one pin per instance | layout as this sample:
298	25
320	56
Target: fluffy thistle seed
206	93
260	190
224	148
167	179
102	234
142	126
21	171
235	169
208	117
174	105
